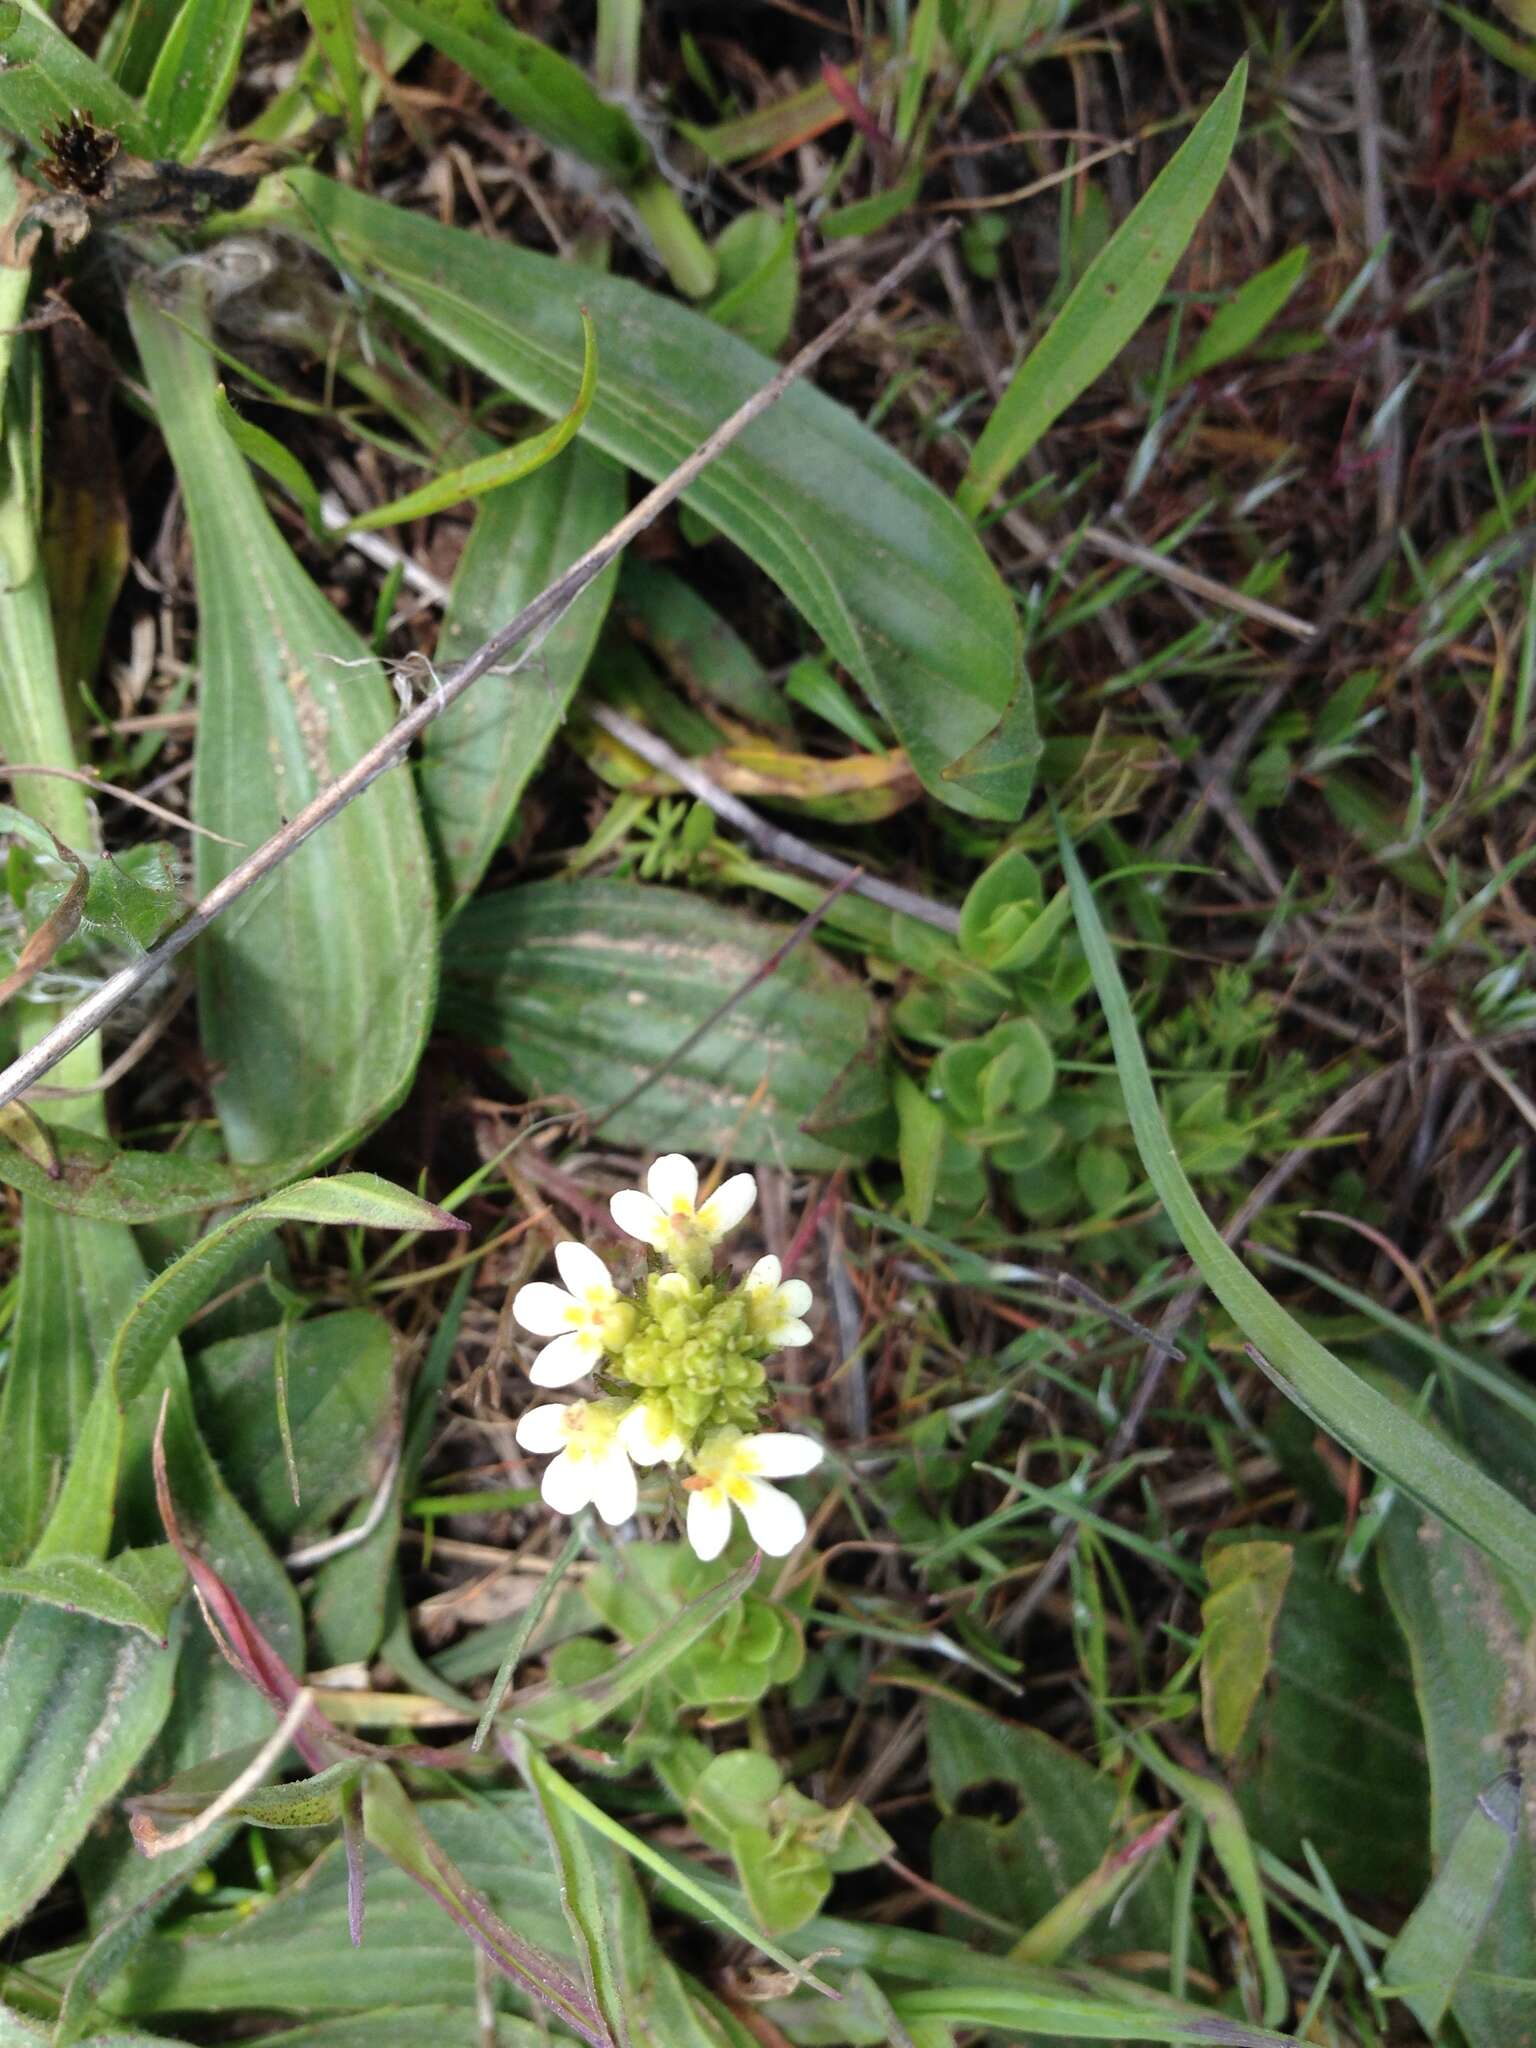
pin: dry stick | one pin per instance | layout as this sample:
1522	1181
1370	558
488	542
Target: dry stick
1389	362
124	796
90	1015
769	839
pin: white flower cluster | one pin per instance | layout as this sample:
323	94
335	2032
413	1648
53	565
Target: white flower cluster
684	1361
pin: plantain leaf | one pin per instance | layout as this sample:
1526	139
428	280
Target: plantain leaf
340	1376
45	77
1430	1955
80	1701
108	1183
81	1518
584	987
477	758
541	88
546	92
874	557
1385	1436
1471	1634
315	992
78	1280
138	1589
1109	302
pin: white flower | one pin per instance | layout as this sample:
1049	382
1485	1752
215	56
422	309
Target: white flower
729	1469
591	1468
776	1304
649	1434
589	1320
669	1216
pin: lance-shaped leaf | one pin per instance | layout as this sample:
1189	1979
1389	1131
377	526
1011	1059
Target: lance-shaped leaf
586	987
194	74
316	991
1109	302
507	465
80	1701
1428	1958
1471	1633
395	1829
312	1802
546	91
476	760
1389	1439
45	77
876	559
138	1589
81	1518
91	1177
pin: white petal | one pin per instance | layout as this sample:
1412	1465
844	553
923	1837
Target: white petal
791	1333
674	1182
543	1428
795	1297
781	1455
765	1275
709	1523
567	1483
582	1270
543	1309
614	1493
773	1520
728	1204
637	1435
637	1216
567	1359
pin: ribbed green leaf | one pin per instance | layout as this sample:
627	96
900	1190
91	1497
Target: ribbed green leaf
315	994
110	1183
340	1379
78	1280
477	758
80	1701
1472	1638
879	563
1431	1953
1388	1438
1109	302
592	1900
45	77
137	1589
535	83
584	987
81	1519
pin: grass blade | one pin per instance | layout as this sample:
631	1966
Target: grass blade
1391	1441
503	466
315	999
477	759
194	75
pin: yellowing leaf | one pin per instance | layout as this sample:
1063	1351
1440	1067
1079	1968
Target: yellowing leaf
1248	1582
